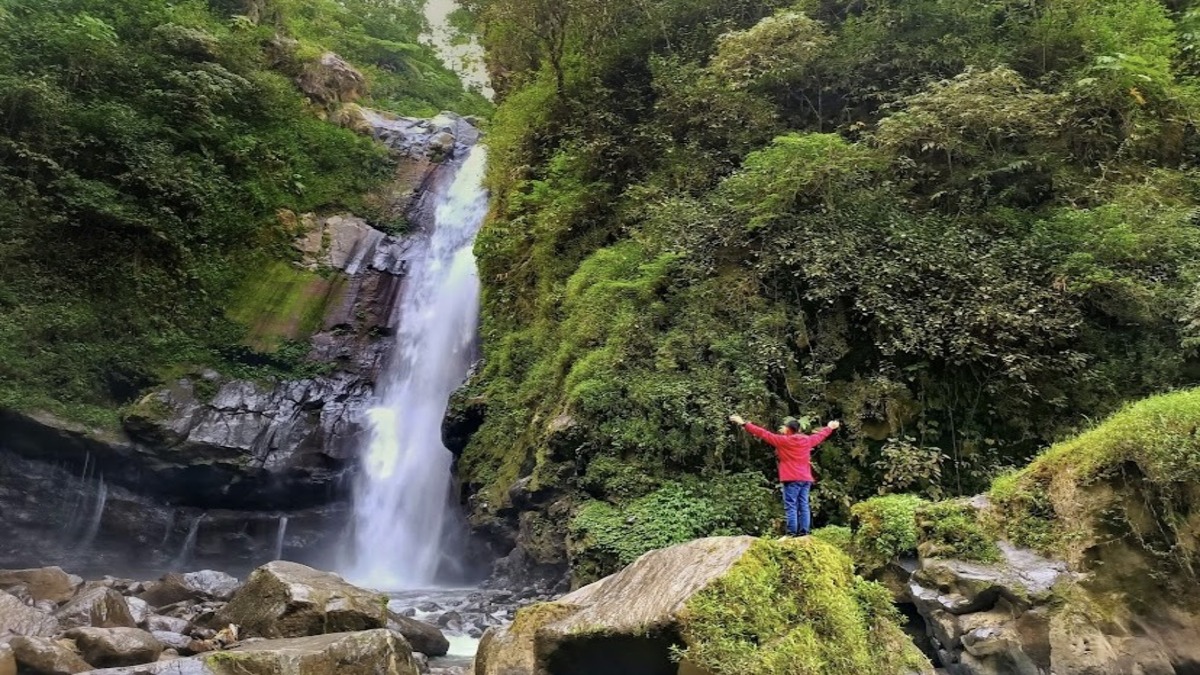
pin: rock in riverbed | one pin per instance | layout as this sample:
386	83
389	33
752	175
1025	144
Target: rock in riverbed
16	617
285	599
43	656
103	647
373	652
45	583
97	606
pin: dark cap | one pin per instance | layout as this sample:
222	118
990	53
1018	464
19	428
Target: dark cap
791	423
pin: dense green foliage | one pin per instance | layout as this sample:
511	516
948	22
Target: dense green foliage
796	608
145	148
885	528
955	529
605	537
961	226
1129	481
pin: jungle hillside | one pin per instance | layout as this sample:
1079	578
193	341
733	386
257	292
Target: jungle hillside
966	228
146	148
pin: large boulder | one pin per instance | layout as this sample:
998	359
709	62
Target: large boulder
423	637
97	606
728	604
374	652
330	79
286	599
18	618
173	588
42	584
105	647
43	656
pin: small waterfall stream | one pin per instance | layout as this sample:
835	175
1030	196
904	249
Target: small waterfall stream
93	527
280	537
189	545
403	506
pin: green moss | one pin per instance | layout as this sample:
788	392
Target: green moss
952	529
884	529
836	535
796	608
1132	477
282	302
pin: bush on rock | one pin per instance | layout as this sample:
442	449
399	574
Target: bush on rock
884	529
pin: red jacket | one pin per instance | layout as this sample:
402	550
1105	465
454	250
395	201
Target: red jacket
794	451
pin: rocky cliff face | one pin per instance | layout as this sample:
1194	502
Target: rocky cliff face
209	442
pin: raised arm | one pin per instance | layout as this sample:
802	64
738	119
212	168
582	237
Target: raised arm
819	437
757	431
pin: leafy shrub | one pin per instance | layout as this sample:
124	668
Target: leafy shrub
885	528
952	529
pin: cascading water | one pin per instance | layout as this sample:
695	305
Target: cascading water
189	545
280	537
403	501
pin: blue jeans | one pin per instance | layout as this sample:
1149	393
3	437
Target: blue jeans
795	505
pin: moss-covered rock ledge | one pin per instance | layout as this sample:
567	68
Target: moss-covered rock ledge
1085	561
714	606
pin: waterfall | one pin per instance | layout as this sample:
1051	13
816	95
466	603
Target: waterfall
75	503
189	544
279	537
403	500
97	514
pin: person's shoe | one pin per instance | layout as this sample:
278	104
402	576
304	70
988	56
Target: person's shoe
805	533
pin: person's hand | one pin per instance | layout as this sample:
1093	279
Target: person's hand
738	420
835	425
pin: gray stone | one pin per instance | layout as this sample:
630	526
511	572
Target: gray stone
138	609
105	647
374	652
18	618
44	583
98	607
43	656
174	588
182	644
286	599
423	637
169	624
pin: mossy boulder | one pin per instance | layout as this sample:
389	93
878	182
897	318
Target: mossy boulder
717	605
1128	489
1083	562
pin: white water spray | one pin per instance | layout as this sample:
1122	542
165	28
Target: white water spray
402	504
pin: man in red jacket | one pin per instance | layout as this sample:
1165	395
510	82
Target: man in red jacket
794	452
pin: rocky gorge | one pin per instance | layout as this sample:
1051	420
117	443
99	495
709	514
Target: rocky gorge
234	470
